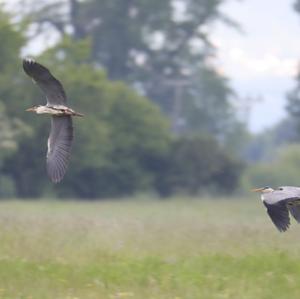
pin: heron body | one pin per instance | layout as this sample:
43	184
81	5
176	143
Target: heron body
57	110
280	203
61	133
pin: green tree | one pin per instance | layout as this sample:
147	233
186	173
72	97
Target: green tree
282	170
293	106
120	132
123	145
206	102
264	146
198	165
293	97
12	128
152	45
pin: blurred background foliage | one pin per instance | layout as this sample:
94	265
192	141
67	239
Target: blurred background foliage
158	116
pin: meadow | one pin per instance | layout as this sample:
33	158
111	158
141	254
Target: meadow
143	249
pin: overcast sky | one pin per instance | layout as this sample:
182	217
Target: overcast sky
261	63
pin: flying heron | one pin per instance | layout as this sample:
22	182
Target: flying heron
61	134
279	203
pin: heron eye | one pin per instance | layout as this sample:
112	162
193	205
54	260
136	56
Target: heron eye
280	189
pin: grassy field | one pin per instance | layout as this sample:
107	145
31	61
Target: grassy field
180	249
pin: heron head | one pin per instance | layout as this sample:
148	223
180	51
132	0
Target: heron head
33	109
266	189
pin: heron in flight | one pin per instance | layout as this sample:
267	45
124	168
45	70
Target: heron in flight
279	203
61	133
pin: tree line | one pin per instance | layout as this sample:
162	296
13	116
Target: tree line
159	118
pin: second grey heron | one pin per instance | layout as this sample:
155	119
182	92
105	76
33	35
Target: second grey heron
280	203
61	134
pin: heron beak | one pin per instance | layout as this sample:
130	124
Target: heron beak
257	190
30	109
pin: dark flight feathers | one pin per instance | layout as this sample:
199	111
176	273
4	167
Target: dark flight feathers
295	211
52	88
279	214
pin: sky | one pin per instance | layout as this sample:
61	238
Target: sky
262	61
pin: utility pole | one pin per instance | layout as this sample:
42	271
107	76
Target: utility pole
178	85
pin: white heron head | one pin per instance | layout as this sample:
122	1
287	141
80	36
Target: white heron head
266	189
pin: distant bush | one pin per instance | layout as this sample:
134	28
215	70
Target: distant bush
284	169
7	187
198	165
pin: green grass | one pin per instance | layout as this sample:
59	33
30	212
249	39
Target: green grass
180	249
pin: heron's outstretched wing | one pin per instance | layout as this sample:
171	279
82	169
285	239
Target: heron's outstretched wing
295	211
59	147
52	88
279	215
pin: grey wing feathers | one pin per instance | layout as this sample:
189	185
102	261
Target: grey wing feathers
295	211
59	147
52	88
279	215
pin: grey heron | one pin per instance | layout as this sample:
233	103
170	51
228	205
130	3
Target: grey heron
280	203
61	133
